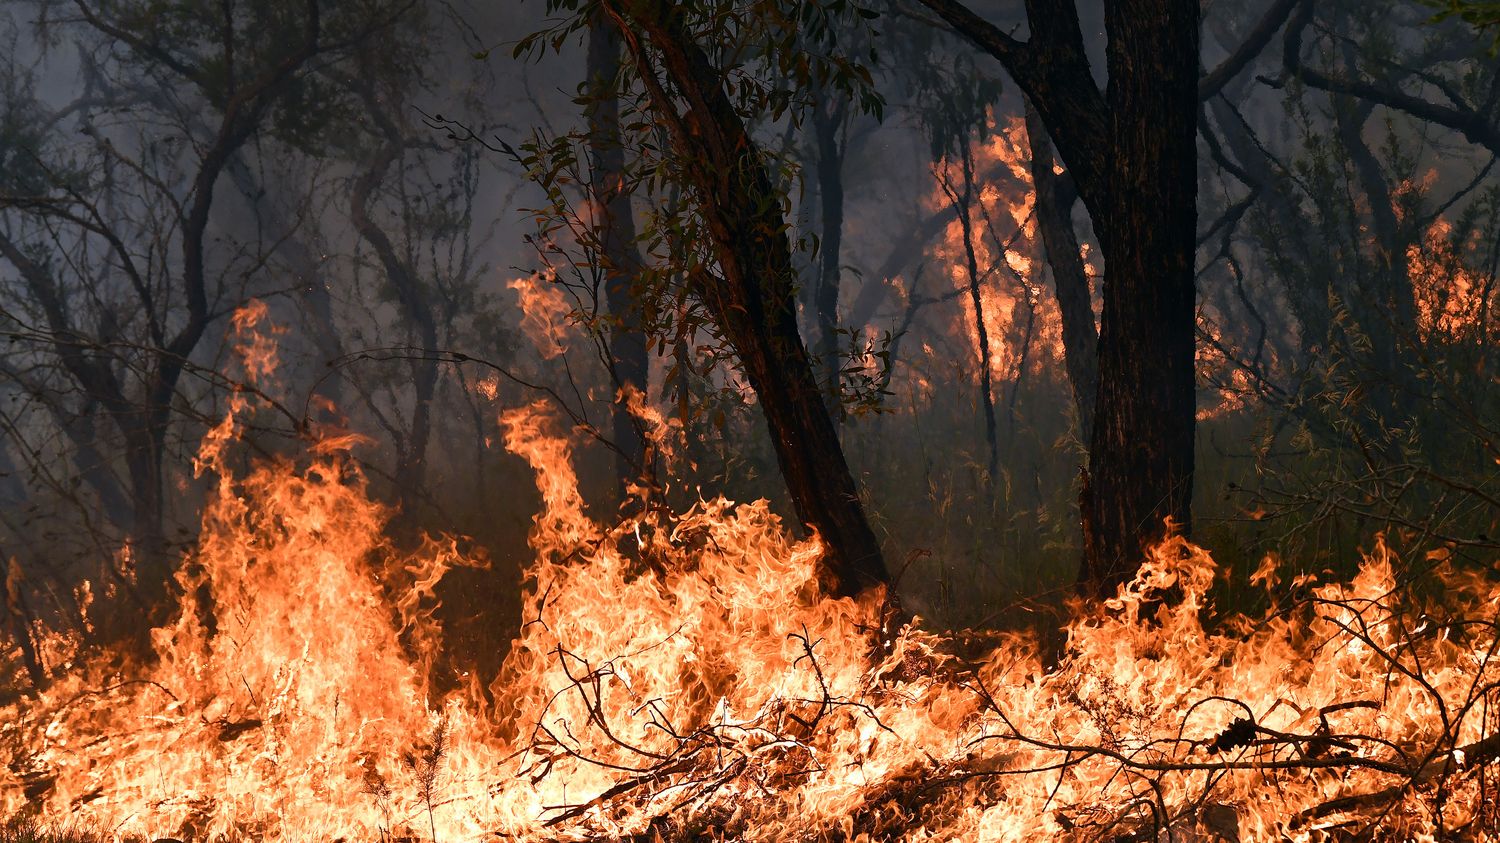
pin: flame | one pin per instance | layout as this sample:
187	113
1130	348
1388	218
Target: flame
679	675
1014	290
1443	269
544	313
253	340
1450	292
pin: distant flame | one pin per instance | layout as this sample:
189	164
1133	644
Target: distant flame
1012	286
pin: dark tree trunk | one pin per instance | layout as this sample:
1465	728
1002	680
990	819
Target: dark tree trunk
1141	450
963	201
1055	195
614	229
411	462
751	298
412	459
826	119
149	538
1132	155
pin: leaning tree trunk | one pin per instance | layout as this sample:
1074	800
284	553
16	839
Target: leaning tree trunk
1141	448
751	297
1055	195
614	229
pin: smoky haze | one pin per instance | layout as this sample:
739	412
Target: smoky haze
381	189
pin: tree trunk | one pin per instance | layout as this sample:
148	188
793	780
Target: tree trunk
963	202
614	229
411	462
751	297
1141	449
1055	195
1381	297
826	120
1132	155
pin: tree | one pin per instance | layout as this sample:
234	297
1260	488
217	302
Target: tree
752	297
1055	197
740	268
617	254
112	237
1371	221
1131	152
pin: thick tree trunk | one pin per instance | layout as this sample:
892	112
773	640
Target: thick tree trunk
614	228
1132	155
751	296
1141	449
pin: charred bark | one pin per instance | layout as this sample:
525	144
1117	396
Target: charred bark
1141	449
1131	152
751	296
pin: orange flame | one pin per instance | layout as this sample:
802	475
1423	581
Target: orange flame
544	313
1015	289
680	675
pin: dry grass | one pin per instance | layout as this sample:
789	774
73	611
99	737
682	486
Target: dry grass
28	830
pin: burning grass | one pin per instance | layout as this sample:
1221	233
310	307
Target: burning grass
678	676
31	830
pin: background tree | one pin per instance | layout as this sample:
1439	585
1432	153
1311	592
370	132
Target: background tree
81	223
618	257
747	283
1131	152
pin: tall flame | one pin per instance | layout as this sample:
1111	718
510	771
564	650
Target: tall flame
677	676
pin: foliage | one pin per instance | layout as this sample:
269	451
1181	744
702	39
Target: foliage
772	54
1483	15
1373	417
